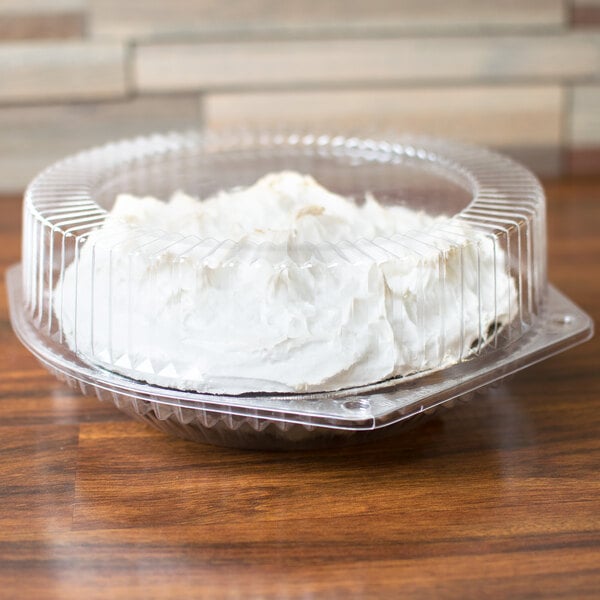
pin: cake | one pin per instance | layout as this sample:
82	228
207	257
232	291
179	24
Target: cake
282	286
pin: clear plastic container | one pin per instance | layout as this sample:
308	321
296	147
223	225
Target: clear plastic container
185	330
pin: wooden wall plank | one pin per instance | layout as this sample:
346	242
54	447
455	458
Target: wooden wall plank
42	26
338	62
43	71
34	136
585	13
585	116
33	6
42	19
524	120
584	130
149	18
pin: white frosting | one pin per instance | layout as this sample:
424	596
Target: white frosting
282	286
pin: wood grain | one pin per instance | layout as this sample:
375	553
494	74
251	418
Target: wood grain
35	136
42	19
61	70
496	498
585	13
419	59
524	121
155	18
584	129
41	26
583	161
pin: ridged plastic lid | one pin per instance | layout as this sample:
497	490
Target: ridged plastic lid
461	286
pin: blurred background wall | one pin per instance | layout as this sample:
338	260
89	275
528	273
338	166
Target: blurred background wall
520	75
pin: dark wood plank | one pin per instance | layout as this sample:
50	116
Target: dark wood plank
585	14
497	497
583	161
40	25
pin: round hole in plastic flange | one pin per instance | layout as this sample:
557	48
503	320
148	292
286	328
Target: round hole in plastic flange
559	319
357	404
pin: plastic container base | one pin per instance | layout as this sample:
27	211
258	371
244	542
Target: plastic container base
300	421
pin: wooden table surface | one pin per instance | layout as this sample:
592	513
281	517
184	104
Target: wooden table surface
496	498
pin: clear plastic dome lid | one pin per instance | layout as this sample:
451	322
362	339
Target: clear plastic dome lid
244	262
